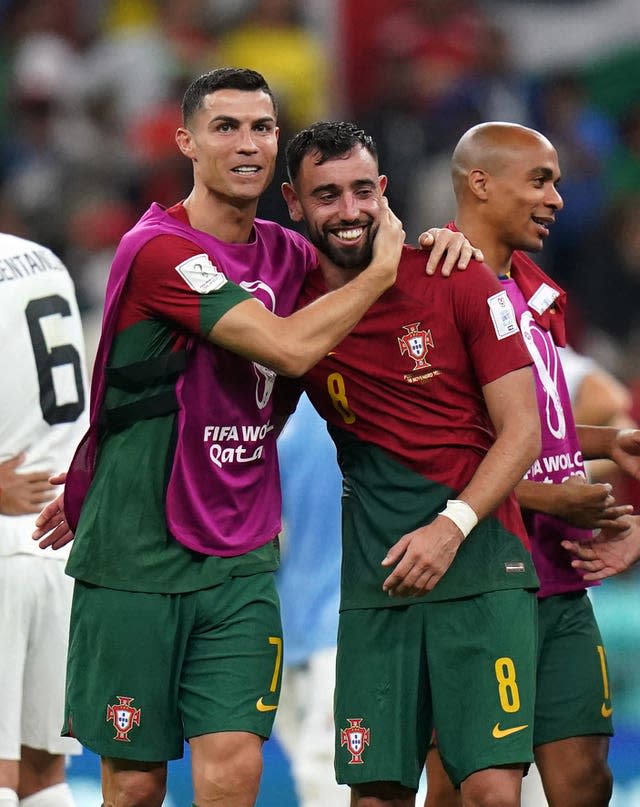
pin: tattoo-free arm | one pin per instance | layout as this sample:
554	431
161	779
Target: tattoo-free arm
292	345
421	557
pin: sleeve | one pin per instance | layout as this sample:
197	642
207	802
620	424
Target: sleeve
173	279
488	323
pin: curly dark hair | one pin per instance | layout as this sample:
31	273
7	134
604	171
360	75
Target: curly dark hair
328	139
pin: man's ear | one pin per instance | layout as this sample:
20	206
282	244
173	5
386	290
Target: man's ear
477	181
293	203
184	140
383	180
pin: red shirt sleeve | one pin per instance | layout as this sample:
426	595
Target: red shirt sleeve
156	290
488	322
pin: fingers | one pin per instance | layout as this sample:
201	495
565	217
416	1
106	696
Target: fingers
426	239
620	510
410	581
51	511
13	462
58	479
448	258
395	553
582	551
35	477
468	253
411	577
447	251
613	527
587	562
57	538
452	248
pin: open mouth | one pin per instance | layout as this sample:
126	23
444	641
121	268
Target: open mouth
350	235
246	170
542	224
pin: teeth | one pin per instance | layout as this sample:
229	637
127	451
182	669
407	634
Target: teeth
246	169
349	235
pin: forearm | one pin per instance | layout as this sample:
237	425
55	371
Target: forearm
596	442
502	469
292	345
511	403
538	496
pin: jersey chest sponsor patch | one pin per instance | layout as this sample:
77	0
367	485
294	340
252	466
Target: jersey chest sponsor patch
200	274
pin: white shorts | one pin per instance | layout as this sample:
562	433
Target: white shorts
35	600
304	726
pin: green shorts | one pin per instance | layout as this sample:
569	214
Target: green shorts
466	666
146	671
573	697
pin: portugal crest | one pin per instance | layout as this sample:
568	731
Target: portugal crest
416	343
124	717
355	738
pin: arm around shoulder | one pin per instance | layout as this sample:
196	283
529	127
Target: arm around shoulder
292	345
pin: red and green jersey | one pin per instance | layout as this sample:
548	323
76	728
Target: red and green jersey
184	487
403	397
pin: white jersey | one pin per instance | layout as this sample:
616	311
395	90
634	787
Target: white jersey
576	367
43	381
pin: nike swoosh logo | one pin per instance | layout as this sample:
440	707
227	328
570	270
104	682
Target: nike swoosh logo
499	733
264	707
606	711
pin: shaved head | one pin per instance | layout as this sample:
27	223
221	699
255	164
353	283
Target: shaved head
490	147
505	178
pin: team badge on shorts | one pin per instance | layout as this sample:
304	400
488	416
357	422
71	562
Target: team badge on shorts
355	738
124	717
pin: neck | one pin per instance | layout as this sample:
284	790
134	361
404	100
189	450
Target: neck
335	276
228	220
497	256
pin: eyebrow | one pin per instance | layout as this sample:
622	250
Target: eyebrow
230	119
547	173
333	187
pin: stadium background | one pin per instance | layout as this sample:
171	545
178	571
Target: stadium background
89	100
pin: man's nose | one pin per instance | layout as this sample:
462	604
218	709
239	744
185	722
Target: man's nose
349	208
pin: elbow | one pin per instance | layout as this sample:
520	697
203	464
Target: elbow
295	368
291	364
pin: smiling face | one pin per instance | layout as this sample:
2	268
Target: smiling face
339	202
232	140
522	194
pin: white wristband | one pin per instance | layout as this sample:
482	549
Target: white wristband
462	515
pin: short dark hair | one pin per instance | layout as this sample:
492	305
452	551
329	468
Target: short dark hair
224	78
329	139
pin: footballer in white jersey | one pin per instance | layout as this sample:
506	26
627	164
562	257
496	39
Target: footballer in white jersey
43	413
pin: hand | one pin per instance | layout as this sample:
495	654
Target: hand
608	554
588	506
388	241
52	527
625	451
22	493
452	245
422	557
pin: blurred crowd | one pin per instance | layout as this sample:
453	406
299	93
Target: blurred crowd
91	90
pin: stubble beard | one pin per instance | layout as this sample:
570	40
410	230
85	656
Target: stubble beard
345	258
